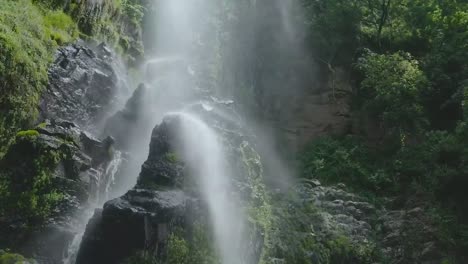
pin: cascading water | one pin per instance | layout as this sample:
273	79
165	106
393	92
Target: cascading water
202	149
104	178
181	73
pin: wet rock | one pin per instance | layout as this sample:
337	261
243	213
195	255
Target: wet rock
342	212
166	197
83	84
141	219
74	157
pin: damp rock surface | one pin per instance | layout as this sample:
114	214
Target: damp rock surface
83	84
56	159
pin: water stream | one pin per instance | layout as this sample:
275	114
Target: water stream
203	151
181	73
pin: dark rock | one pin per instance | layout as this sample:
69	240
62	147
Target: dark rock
410	236
82	85
143	218
80	158
139	220
159	169
166	197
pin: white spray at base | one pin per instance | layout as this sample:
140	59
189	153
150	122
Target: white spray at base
105	178
203	152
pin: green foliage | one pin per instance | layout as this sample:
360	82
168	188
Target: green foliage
28	38
439	164
11	258
133	10
391	92
436	168
433	32
61	28
171	157
178	250
290	214
297	235
27	133
118	23
416	83
346	160
183	247
26	185
342	250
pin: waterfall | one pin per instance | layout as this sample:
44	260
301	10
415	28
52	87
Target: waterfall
203	151
104	178
188	65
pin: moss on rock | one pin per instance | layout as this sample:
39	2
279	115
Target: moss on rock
26	177
29	36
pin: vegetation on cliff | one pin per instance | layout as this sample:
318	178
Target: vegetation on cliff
35	163
31	31
29	36
409	60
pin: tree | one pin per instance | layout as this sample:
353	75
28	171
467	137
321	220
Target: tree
391	91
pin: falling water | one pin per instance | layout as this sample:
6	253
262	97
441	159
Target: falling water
179	73
105	178
203	151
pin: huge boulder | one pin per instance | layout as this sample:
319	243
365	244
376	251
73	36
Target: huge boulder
166	201
143	218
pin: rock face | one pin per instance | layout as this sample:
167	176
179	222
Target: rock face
144	217
322	111
410	236
340	212
373	234
166	199
140	220
83	84
78	167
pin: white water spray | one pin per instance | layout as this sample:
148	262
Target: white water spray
204	153
105	179
186	52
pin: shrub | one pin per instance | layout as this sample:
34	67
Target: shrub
345	160
61	28
7	257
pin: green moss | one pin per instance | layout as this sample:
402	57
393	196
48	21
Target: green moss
42	125
182	248
257	198
27	133
26	178
171	157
